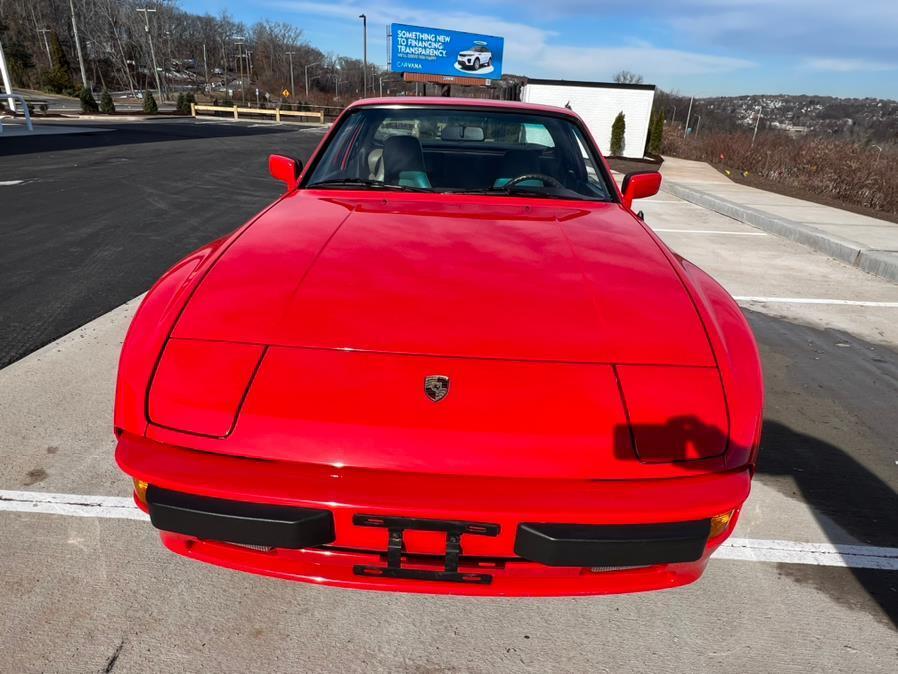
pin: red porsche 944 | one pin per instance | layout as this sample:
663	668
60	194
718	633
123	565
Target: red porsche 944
450	359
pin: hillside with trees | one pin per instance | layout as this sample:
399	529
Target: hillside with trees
216	55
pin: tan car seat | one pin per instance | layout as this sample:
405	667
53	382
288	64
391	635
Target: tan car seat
376	165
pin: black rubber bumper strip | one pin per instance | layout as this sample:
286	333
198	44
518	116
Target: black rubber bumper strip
238	521
612	545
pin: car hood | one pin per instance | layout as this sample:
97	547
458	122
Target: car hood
473	277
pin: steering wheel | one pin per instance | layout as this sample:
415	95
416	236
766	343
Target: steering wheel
534	176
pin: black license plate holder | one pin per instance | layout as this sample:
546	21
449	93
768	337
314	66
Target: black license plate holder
397	526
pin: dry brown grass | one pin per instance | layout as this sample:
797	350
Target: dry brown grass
851	173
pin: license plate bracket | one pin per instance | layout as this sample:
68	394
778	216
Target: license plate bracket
397	526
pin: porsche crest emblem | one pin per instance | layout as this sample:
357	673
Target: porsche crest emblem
436	387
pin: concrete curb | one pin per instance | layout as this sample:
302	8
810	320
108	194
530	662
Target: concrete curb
871	261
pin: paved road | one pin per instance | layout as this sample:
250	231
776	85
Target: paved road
98	593
99	216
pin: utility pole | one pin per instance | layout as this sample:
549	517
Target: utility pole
757	123
171	64
239	43
337	81
146	22
224	57
688	115
206	66
84	82
381	80
364	19
698	126
7	83
293	86
306	68
43	32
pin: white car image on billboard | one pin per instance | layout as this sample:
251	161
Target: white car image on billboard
475	58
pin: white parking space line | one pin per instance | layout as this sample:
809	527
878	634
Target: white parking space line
811	300
740	549
708	231
72	505
816	554
8	183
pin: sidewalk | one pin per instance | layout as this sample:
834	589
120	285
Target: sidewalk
864	242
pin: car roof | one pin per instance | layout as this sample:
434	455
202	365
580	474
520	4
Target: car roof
448	102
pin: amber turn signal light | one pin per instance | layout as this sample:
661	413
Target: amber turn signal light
140	490
720	523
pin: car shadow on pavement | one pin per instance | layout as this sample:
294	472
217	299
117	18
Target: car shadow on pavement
829	440
846	498
831	435
112	134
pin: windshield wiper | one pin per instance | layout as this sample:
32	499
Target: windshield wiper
514	192
365	182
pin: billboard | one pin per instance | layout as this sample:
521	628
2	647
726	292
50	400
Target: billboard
434	51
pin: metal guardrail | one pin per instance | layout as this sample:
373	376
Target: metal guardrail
21	99
276	112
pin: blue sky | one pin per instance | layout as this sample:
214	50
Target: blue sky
698	47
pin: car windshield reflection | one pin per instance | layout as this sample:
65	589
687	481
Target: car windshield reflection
462	150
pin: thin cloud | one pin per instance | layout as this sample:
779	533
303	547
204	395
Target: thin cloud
535	51
836	65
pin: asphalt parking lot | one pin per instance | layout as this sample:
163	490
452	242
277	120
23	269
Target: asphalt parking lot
91	220
809	582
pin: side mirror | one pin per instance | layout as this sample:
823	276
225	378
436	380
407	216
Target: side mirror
284	169
640	185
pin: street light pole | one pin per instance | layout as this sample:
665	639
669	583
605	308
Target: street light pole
364	19
688	115
292	86
43	32
84	82
146	20
757	123
306	68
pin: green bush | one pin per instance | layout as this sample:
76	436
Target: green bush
149	103
618	129
656	134
58	80
88	102
182	104
106	104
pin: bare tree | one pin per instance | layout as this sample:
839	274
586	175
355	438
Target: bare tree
627	77
117	54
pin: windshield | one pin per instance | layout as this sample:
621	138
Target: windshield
461	150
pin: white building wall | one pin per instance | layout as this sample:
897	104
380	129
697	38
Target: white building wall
598	106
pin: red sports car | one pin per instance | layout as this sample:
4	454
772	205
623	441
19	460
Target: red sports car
448	359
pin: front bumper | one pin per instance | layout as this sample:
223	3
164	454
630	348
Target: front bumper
628	535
